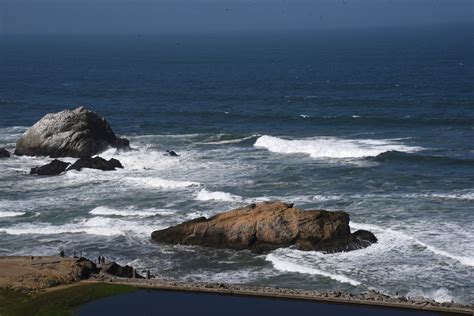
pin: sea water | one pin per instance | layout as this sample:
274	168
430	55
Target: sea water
379	123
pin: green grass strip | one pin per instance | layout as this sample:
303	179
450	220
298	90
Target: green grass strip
56	303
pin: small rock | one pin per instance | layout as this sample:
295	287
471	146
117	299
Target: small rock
4	153
172	153
53	168
365	236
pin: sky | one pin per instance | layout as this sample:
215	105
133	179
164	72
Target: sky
169	16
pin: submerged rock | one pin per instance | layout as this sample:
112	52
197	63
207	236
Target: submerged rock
96	163
70	133
4	153
365	236
172	153
267	226
53	168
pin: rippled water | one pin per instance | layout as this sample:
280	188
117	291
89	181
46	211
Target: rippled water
379	124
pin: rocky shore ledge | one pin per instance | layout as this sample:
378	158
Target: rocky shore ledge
36	273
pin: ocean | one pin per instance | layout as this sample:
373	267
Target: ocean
379	123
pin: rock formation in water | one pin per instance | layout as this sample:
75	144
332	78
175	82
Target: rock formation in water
70	133
96	163
267	226
171	153
4	153
53	168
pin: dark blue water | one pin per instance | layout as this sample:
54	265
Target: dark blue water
376	122
175	303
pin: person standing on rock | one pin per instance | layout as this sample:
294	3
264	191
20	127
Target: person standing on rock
61	252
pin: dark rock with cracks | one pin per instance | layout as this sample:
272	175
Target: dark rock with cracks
267	226
70	133
53	168
96	163
4	153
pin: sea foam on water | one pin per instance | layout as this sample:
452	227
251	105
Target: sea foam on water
332	147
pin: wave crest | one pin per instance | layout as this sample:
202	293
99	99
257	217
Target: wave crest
205	195
288	266
332	147
108	211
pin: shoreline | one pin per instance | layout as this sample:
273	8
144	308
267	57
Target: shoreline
42	275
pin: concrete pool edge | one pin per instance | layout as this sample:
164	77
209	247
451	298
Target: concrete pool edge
371	299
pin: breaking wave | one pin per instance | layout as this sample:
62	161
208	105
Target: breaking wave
108	211
93	226
288	266
11	214
332	147
159	183
228	140
205	195
381	231
439	295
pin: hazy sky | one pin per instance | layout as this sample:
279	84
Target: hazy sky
158	16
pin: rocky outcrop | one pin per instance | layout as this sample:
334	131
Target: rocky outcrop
267	226
53	168
4	153
96	163
70	133
37	272
112	268
56	166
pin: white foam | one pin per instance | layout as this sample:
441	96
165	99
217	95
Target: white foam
467	261
440	295
383	231
108	211
205	195
229	141
11	134
288	266
155	182
332	147
94	226
325	198
144	158
455	196
11	214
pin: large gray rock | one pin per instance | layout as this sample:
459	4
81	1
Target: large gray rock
70	133
267	226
